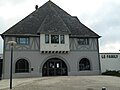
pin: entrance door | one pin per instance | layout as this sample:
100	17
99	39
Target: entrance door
54	67
1	69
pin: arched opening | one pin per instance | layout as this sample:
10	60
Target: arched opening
22	66
84	64
54	67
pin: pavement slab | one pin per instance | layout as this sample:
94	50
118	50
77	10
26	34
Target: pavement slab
63	83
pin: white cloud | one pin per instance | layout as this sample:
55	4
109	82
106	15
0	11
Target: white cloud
13	11
110	47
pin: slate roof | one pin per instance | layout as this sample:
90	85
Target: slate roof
51	19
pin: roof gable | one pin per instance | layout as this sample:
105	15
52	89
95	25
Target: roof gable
50	18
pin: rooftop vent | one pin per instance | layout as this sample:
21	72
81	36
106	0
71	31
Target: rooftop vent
36	7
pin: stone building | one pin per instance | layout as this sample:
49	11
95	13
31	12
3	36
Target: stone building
51	42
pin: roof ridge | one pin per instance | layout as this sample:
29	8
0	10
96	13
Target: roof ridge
54	29
64	23
75	17
38	31
59	7
60	18
90	30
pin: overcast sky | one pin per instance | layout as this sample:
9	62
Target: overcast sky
102	16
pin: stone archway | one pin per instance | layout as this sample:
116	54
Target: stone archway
54	67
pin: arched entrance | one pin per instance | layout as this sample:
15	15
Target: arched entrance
54	67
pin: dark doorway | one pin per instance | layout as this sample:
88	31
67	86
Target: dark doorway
54	67
1	64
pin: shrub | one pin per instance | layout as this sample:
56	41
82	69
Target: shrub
112	73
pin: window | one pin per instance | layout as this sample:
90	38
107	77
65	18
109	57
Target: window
55	39
21	66
83	41
84	64
62	39
22	40
46	38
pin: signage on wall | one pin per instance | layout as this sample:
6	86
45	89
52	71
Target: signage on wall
108	56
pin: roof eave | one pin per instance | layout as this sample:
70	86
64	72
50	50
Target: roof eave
97	36
2	35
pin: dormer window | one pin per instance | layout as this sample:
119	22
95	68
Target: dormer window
22	40
54	43
55	39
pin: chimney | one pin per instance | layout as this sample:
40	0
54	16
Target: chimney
36	7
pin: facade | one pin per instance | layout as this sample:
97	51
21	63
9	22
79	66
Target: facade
50	42
110	61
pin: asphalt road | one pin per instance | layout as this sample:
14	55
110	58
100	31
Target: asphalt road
63	83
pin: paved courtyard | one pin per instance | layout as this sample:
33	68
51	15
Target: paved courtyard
63	83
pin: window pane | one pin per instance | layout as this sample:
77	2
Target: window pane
54	38
84	64
27	41
17	40
21	66
62	39
22	40
83	41
46	38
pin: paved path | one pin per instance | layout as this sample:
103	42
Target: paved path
63	83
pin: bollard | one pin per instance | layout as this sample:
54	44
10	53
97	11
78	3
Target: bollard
104	88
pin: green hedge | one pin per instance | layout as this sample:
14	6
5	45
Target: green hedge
112	73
